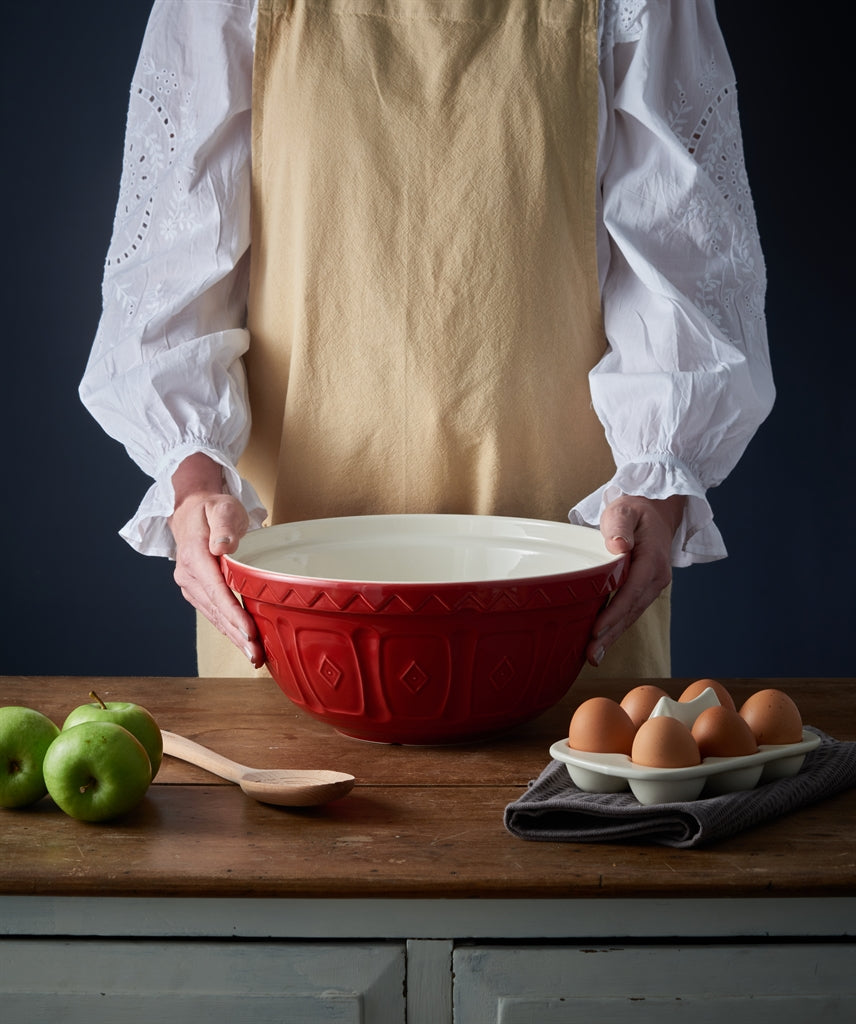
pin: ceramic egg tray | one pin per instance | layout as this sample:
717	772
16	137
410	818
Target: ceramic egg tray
614	773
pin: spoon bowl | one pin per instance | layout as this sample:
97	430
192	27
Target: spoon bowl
285	787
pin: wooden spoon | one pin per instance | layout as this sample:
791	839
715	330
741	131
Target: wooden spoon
288	787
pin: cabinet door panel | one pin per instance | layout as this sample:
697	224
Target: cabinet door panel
136	982
657	984
287	1008
664	1010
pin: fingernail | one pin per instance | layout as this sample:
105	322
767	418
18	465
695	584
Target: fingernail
598	655
245	635
223	540
620	536
250	656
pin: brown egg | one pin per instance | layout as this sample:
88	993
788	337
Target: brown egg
721	732
601	726
700	685
641	701
773	717
664	742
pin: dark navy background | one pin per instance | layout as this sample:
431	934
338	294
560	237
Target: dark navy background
79	601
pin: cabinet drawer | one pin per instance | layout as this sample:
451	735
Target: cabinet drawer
173	982
706	984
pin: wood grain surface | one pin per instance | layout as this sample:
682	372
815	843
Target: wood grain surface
421	822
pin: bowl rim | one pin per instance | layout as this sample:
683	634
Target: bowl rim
610	563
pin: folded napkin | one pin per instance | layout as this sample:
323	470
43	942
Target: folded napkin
553	809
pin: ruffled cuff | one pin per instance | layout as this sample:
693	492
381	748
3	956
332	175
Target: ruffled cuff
697	538
148	531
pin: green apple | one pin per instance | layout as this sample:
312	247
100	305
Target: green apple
96	771
25	736
132	717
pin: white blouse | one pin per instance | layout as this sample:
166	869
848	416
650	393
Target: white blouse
685	381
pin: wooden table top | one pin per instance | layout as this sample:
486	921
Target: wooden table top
420	822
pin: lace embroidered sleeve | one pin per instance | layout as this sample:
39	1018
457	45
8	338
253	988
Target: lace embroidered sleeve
686	380
165	376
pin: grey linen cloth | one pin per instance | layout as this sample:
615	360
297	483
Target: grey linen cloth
553	809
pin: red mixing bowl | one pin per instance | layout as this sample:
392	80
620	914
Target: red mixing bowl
424	629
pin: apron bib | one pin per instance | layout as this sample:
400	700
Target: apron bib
424	304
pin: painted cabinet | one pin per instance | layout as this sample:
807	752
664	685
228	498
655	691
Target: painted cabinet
136	981
409	902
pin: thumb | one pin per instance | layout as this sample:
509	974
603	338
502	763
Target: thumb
227	523
618	526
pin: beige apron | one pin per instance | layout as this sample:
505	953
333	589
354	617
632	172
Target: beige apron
424	304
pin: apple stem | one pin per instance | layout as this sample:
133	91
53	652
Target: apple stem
95	696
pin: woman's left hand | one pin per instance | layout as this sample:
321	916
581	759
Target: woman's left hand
645	528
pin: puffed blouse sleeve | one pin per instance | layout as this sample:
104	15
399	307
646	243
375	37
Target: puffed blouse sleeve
686	380
165	375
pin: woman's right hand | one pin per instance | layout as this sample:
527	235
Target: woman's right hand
207	523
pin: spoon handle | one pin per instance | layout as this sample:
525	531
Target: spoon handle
195	753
